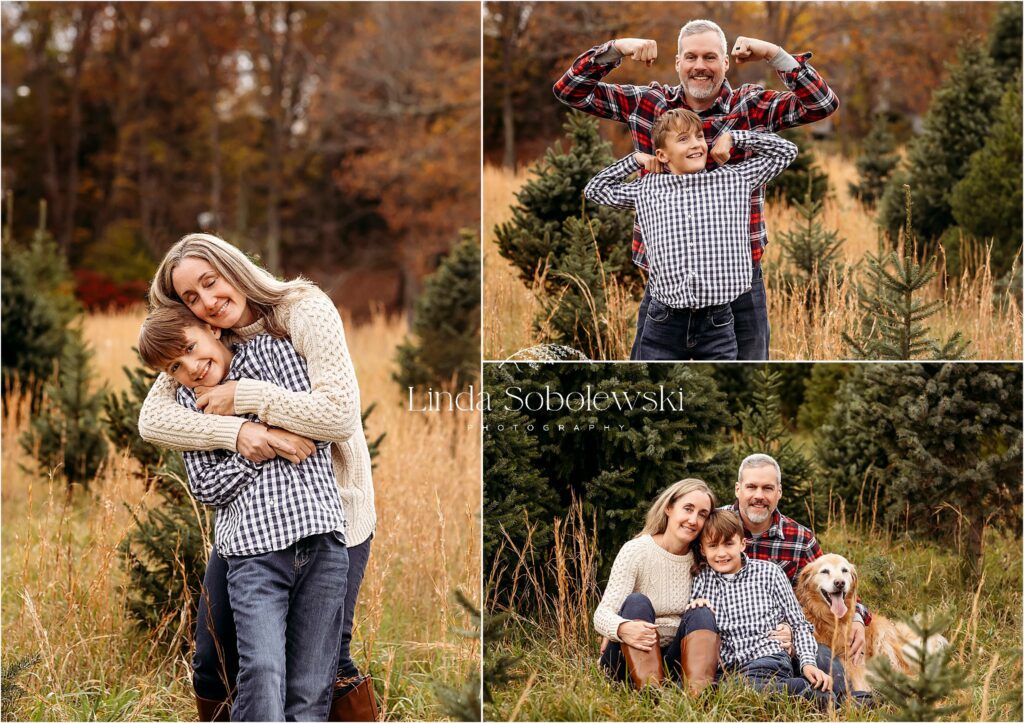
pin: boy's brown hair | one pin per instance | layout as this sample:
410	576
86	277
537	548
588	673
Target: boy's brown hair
677	119
720	526
162	336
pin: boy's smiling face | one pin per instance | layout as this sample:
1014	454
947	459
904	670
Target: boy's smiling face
203	361
684	151
724	556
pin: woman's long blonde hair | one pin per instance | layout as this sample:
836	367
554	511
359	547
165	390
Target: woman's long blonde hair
656	520
264	293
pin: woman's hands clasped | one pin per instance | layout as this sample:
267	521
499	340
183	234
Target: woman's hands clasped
638	634
258	443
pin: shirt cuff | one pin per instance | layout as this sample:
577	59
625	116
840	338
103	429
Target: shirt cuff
608	54
248	396
226	433
804	660
858	618
247	465
783	61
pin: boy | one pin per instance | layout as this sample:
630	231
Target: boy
749	598
279	526
696	228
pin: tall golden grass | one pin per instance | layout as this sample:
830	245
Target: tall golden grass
64	587
991	320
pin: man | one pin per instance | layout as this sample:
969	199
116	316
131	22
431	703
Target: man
770	535
701	64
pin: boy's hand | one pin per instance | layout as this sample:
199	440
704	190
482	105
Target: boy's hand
721	148
638	49
217	400
701	602
649	162
818	677
293	447
746	50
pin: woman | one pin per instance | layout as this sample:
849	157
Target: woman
642	610
223	288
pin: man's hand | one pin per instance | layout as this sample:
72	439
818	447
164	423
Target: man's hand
857	642
784	635
721	148
649	162
638	49
253	442
818	677
293	447
746	50
217	400
638	634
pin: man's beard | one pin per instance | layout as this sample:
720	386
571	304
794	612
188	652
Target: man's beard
758	514
704	91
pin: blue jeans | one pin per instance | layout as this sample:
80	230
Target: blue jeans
750	315
215	658
289	601
824	660
637	606
775	673
686	334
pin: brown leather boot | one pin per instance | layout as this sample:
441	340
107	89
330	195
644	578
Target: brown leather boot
358	704
699	658
644	668
213	710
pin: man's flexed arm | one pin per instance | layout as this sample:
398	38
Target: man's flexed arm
580	87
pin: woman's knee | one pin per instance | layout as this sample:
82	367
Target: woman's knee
699	619
637	606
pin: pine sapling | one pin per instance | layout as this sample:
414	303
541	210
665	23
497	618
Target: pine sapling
876	165
924	694
463	703
895	315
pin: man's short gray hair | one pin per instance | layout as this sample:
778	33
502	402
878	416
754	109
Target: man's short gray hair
759	460
696	27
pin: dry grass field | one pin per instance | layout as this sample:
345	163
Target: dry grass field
991	321
64	595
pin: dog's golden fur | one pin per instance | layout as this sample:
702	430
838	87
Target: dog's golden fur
833	576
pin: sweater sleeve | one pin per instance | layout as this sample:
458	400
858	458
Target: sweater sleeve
621	583
331	410
164	422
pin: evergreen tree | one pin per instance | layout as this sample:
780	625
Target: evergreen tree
894	319
820	391
446	323
923	695
68	433
986	203
812	251
801	174
956	125
11	691
38	304
537	235
877	164
1005	39
122	410
762	432
464	703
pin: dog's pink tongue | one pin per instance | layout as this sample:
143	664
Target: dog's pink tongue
838	605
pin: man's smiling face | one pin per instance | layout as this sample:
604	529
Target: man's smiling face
701	65
758	493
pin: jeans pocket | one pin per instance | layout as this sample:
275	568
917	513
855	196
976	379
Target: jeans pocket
721	316
658	312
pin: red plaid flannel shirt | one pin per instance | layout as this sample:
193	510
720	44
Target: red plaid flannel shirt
788	544
750	108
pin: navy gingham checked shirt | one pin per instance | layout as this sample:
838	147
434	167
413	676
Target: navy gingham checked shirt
697	225
789	545
265	506
748	606
749	107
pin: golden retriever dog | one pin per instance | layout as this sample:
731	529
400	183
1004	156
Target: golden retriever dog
827	591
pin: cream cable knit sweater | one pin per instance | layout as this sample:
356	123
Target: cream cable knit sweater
644	566
331	412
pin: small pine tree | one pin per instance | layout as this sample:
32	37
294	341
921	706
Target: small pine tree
986	203
820	392
812	251
1005	39
499	668
68	432
11	691
536	234
877	164
894	319
122	410
446	323
463	703
762	431
38	305
954	128
801	174
924	695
